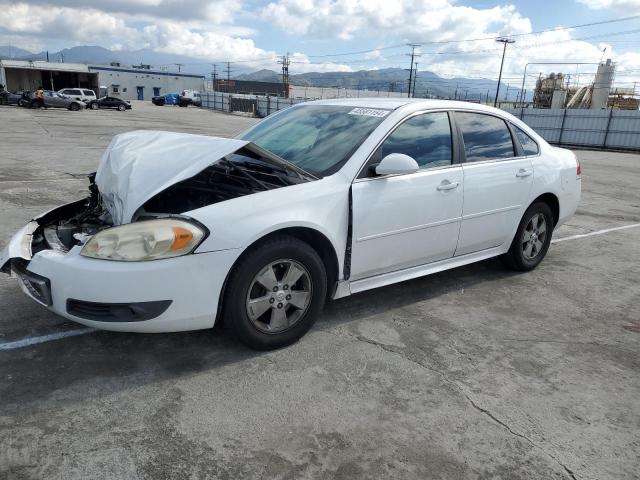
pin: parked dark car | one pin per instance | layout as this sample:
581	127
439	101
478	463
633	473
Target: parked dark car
166	99
109	102
9	98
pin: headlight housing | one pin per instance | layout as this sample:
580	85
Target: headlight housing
146	240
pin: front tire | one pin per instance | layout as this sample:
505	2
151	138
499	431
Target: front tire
74	107
94	106
122	108
532	239
275	293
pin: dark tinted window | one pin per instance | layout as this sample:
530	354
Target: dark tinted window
528	145
485	137
426	138
88	93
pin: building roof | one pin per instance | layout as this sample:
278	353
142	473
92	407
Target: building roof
82	68
110	68
38	65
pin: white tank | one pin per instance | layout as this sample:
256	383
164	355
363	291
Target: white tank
602	85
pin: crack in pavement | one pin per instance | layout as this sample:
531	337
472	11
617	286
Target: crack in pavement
444	376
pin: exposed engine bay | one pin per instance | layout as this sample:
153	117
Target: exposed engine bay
238	174
71	224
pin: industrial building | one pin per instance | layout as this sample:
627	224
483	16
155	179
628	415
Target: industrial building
554	91
128	83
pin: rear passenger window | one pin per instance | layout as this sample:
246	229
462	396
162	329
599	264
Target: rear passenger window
529	146
426	138
75	92
88	93
485	137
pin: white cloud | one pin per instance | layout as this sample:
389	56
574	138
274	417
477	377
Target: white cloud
213	30
415	20
628	7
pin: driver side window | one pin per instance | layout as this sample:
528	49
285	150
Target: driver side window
426	138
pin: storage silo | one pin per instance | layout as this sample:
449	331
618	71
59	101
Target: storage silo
602	85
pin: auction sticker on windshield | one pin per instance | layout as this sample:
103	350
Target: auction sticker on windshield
369	112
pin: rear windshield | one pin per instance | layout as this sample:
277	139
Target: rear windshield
317	138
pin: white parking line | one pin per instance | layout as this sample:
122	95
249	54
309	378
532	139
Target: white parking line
25	342
597	232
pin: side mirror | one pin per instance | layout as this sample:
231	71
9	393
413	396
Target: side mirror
397	163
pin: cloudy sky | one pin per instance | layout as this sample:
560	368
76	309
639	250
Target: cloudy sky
342	35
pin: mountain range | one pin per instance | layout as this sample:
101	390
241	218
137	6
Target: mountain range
394	79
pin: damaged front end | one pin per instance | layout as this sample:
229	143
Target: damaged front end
151	175
72	224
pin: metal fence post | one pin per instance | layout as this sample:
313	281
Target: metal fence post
564	116
606	132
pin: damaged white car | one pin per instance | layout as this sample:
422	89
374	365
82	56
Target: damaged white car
318	201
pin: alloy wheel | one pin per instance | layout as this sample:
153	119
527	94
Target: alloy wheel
279	296
534	236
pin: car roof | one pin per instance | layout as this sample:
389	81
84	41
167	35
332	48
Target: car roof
394	103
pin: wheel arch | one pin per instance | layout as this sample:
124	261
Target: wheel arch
553	202
312	237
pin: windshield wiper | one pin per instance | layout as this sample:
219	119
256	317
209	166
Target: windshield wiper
280	161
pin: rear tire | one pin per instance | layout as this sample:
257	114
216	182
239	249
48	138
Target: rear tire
278	314
532	239
94	106
74	107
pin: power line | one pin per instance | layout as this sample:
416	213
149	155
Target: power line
444	42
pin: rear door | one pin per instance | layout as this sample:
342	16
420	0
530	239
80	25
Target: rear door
400	221
497	182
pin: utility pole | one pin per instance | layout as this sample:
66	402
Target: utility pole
179	65
214	77
413	55
504	41
285	73
228	75
415	75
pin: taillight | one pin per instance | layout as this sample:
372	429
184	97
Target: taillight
578	169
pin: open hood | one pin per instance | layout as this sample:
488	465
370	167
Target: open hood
138	165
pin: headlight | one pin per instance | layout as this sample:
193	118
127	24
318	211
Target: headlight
146	240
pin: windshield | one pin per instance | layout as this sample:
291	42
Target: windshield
317	138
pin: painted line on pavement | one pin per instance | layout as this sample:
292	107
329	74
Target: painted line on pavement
597	232
26	342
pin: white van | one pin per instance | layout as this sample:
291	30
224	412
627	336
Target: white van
83	94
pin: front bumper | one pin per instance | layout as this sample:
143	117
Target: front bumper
187	287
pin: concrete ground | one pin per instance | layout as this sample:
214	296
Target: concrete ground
473	373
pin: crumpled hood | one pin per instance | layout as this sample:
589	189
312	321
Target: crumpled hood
138	165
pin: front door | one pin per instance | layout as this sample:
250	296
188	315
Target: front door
140	93
497	183
401	221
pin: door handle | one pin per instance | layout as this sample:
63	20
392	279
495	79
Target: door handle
447	185
524	172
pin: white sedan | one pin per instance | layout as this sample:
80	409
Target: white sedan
321	200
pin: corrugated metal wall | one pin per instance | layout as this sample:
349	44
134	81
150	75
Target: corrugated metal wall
588	128
573	127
